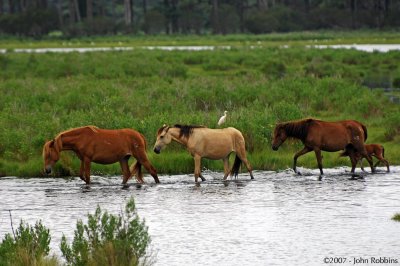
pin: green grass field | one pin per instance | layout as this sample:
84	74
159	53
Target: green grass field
43	94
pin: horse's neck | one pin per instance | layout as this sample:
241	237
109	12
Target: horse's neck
175	136
69	140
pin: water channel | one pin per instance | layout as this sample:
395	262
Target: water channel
279	218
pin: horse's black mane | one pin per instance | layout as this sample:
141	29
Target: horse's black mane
297	129
187	130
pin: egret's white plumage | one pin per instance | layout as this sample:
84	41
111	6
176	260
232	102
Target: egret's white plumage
222	119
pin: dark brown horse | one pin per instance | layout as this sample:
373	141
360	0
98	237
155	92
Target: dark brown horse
103	146
318	136
376	150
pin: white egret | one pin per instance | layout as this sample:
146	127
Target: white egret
222	119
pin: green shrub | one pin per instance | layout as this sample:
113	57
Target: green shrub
396	217
29	246
107	239
274	69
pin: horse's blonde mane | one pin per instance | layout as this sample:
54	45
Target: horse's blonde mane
93	128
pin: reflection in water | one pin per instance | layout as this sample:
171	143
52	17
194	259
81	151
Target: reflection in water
276	219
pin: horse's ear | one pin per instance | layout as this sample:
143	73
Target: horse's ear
51	143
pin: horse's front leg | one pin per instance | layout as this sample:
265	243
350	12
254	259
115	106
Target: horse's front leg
319	161
87	162
297	155
81	171
197	167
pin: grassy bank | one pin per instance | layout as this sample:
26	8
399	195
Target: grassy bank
43	94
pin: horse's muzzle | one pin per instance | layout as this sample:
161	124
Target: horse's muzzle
157	150
275	148
48	170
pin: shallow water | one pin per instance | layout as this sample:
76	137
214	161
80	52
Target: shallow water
361	47
383	48
277	219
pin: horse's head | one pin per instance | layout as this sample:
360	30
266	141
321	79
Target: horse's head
279	137
163	138
51	153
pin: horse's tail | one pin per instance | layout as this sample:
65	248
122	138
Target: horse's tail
136	170
144	140
344	154
365	132
236	166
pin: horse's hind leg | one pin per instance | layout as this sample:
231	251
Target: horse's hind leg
241	153
353	159
142	159
383	160
125	170
226	167
151	170
248	166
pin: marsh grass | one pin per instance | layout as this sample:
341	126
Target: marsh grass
44	94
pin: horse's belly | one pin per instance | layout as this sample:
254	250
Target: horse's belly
332	147
108	160
213	154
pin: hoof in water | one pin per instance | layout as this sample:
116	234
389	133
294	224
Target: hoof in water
356	176
320	178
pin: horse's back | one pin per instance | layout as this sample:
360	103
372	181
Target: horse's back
228	133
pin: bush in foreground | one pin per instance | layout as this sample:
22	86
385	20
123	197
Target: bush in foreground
396	217
107	239
29	246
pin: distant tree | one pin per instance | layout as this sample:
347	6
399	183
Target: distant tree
215	23
262	4
144	6
128	14
74	14
89	10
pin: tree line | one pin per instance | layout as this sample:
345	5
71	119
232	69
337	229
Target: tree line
98	17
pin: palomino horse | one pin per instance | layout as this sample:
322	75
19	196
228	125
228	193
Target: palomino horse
214	144
375	150
103	146
318	136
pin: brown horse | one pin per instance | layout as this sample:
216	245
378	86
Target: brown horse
103	146
214	144
318	136
376	150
